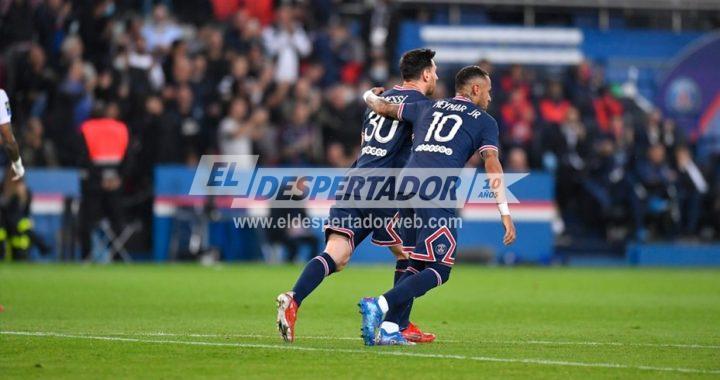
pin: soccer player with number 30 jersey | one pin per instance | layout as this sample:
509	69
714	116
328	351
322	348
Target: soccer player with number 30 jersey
386	143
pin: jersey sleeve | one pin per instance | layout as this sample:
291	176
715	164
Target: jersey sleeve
489	136
5	113
411	111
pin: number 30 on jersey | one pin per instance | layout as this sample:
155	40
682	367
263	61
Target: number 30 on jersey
377	122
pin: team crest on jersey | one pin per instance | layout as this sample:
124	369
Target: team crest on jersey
441	249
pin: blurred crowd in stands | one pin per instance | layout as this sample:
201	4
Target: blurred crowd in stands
620	172
283	79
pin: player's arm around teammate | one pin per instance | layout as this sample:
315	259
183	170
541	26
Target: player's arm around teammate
8	139
379	105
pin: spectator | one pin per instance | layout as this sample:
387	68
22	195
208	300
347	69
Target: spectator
50	20
184	122
518	117
622	136
379	71
70	107
658	180
36	150
517	161
692	188
36	80
264	137
287	42
299	139
162	31
611	198
570	144
215	57
95	23
243	33
340	110
71	51
304	93
145	73
151	130
582	91
650	134
340	54
381	25
178	51
515	79
15	23
606	107
235	132
554	107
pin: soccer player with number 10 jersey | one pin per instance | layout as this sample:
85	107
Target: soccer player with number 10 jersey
447	133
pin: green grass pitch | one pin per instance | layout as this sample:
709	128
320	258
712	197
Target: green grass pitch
179	321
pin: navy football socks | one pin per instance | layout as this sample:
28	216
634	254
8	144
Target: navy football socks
410	287
400	267
315	271
400	314
403	320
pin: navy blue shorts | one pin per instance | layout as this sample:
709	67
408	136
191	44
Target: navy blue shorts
427	234
357	224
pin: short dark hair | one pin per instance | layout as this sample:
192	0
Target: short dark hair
414	62
466	74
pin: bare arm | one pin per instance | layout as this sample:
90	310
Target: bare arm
379	105
12	149
494	170
11	146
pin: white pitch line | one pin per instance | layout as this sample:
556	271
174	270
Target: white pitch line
513	342
663	345
371	352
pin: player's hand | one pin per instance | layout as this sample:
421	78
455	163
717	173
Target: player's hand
510	234
18	169
377	90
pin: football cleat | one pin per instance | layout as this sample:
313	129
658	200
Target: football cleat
413	334
286	316
372	317
392	339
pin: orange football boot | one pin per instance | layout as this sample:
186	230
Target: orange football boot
413	334
286	316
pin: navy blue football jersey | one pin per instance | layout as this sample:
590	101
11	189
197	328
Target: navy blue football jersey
386	143
448	132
